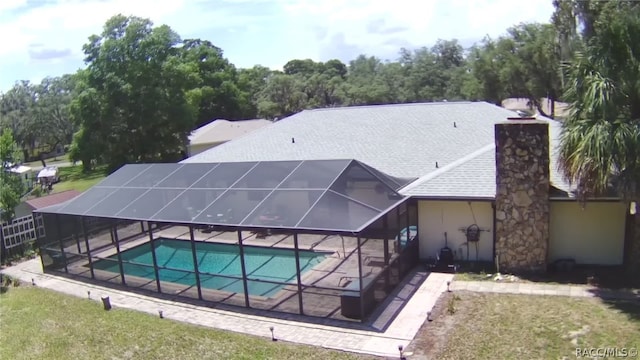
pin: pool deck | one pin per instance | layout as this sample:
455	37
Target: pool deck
402	315
322	288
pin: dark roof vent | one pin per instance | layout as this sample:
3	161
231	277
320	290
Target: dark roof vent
454	125
293	140
437	164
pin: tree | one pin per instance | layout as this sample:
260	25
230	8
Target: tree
601	138
306	67
16	107
282	96
50	120
133	104
365	85
485	84
600	142
11	185
38	114
251	82
532	64
216	89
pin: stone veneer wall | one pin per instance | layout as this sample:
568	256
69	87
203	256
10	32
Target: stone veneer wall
522	195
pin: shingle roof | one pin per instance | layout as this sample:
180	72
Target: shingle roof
402	140
53	199
224	130
472	177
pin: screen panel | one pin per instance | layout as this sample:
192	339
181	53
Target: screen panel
125	174
283	208
224	175
85	201
334	212
186	176
232	207
315	174
153	175
150	203
187	206
115	202
267	175
359	184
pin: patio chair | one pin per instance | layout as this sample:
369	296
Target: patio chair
353	275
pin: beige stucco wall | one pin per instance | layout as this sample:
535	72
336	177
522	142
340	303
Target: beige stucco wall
436	217
593	235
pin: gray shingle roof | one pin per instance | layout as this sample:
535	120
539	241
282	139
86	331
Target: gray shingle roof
403	140
224	130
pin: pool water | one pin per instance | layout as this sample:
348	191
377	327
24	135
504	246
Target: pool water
261	263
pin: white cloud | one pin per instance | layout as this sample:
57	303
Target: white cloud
270	32
414	22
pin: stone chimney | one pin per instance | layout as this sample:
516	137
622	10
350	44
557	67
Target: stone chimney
522	194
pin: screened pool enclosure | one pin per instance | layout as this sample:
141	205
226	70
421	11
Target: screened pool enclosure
325	238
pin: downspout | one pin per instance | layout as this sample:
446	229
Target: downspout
493	206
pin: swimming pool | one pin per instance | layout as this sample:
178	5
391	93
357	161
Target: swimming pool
261	263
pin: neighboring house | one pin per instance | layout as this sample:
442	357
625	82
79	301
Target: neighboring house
475	163
561	109
220	131
27	207
26	175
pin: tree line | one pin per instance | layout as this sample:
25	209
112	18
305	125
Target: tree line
144	88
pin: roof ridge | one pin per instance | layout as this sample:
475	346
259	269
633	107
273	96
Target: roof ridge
396	104
461	161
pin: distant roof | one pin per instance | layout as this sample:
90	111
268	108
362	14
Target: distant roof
561	108
53	199
401	140
224	130
49	171
20	169
333	195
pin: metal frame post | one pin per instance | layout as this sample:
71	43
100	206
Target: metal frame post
64	256
360	280
195	261
244	270
75	235
155	260
297	254
86	243
385	229
116	241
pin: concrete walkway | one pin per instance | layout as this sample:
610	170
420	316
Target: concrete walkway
401	330
544	289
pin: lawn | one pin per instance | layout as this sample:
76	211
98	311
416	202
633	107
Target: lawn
611	277
470	325
41	324
73	178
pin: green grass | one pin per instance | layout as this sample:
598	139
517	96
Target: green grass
41	324
57	161
73	178
502	326
473	276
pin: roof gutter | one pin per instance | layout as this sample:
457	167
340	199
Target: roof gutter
450	198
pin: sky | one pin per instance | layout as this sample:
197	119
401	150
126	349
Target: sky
45	37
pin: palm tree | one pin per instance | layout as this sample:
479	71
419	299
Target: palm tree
600	142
